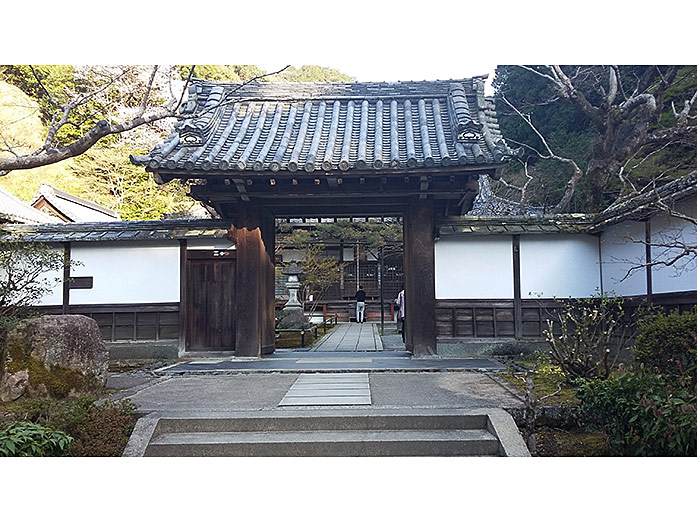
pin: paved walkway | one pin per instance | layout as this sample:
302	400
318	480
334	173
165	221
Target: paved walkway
197	394
351	337
293	361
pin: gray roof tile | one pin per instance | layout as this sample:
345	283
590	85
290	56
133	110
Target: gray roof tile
331	126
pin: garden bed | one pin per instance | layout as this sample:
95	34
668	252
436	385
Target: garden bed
96	428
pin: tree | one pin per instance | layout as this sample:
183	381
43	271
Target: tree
110	179
618	115
23	277
98	102
321	272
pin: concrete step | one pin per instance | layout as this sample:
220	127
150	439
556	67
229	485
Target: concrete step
328	432
322	421
355	443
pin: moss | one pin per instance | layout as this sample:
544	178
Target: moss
576	443
547	381
59	381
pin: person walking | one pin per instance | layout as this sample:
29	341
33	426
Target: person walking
360	304
399	302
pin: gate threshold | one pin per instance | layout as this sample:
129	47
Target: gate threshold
291	361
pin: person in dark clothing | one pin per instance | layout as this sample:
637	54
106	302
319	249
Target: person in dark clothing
360	304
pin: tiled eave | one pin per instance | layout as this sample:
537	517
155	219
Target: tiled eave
487	225
118	231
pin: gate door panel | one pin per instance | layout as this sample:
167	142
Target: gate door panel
211	301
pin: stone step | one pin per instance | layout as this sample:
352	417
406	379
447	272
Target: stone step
322	421
329	432
344	443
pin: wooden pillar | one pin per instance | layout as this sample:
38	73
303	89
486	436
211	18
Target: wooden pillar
268	320
183	297
250	304
419	275
66	278
649	279
517	298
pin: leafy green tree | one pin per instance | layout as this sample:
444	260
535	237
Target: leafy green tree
311	73
371	234
222	73
110	179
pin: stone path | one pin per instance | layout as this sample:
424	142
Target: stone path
328	389
351	337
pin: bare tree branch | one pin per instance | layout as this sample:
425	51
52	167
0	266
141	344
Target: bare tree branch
48	154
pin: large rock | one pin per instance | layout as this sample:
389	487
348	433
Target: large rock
53	356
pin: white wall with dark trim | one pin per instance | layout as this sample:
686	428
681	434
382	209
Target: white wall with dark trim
469	267
127	272
621	249
682	276
560	265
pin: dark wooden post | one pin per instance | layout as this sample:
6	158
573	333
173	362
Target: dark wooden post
183	297
517	299
250	274
66	277
268	322
649	280
420	282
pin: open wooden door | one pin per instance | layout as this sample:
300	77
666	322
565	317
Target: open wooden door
210	315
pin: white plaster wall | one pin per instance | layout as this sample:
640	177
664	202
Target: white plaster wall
127	272
348	254
559	265
209	244
474	267
666	229
54	282
619	254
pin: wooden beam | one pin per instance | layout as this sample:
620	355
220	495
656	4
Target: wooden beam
423	188
242	189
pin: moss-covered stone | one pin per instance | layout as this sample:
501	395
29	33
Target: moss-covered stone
59	355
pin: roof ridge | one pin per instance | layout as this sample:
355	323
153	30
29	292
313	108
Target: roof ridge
51	191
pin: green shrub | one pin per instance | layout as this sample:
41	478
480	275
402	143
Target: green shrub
24	438
104	431
665	342
642	413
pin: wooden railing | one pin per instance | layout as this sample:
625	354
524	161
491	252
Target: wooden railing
332	319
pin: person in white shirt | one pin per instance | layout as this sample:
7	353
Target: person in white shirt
399	302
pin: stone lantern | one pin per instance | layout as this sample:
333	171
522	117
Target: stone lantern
293	316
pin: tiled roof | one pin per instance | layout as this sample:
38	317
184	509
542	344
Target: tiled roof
644	205
14	210
332	126
113	231
569	223
74	208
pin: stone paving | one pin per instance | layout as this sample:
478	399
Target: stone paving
345	388
189	395
351	337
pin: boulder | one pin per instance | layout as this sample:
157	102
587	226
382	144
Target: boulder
53	356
